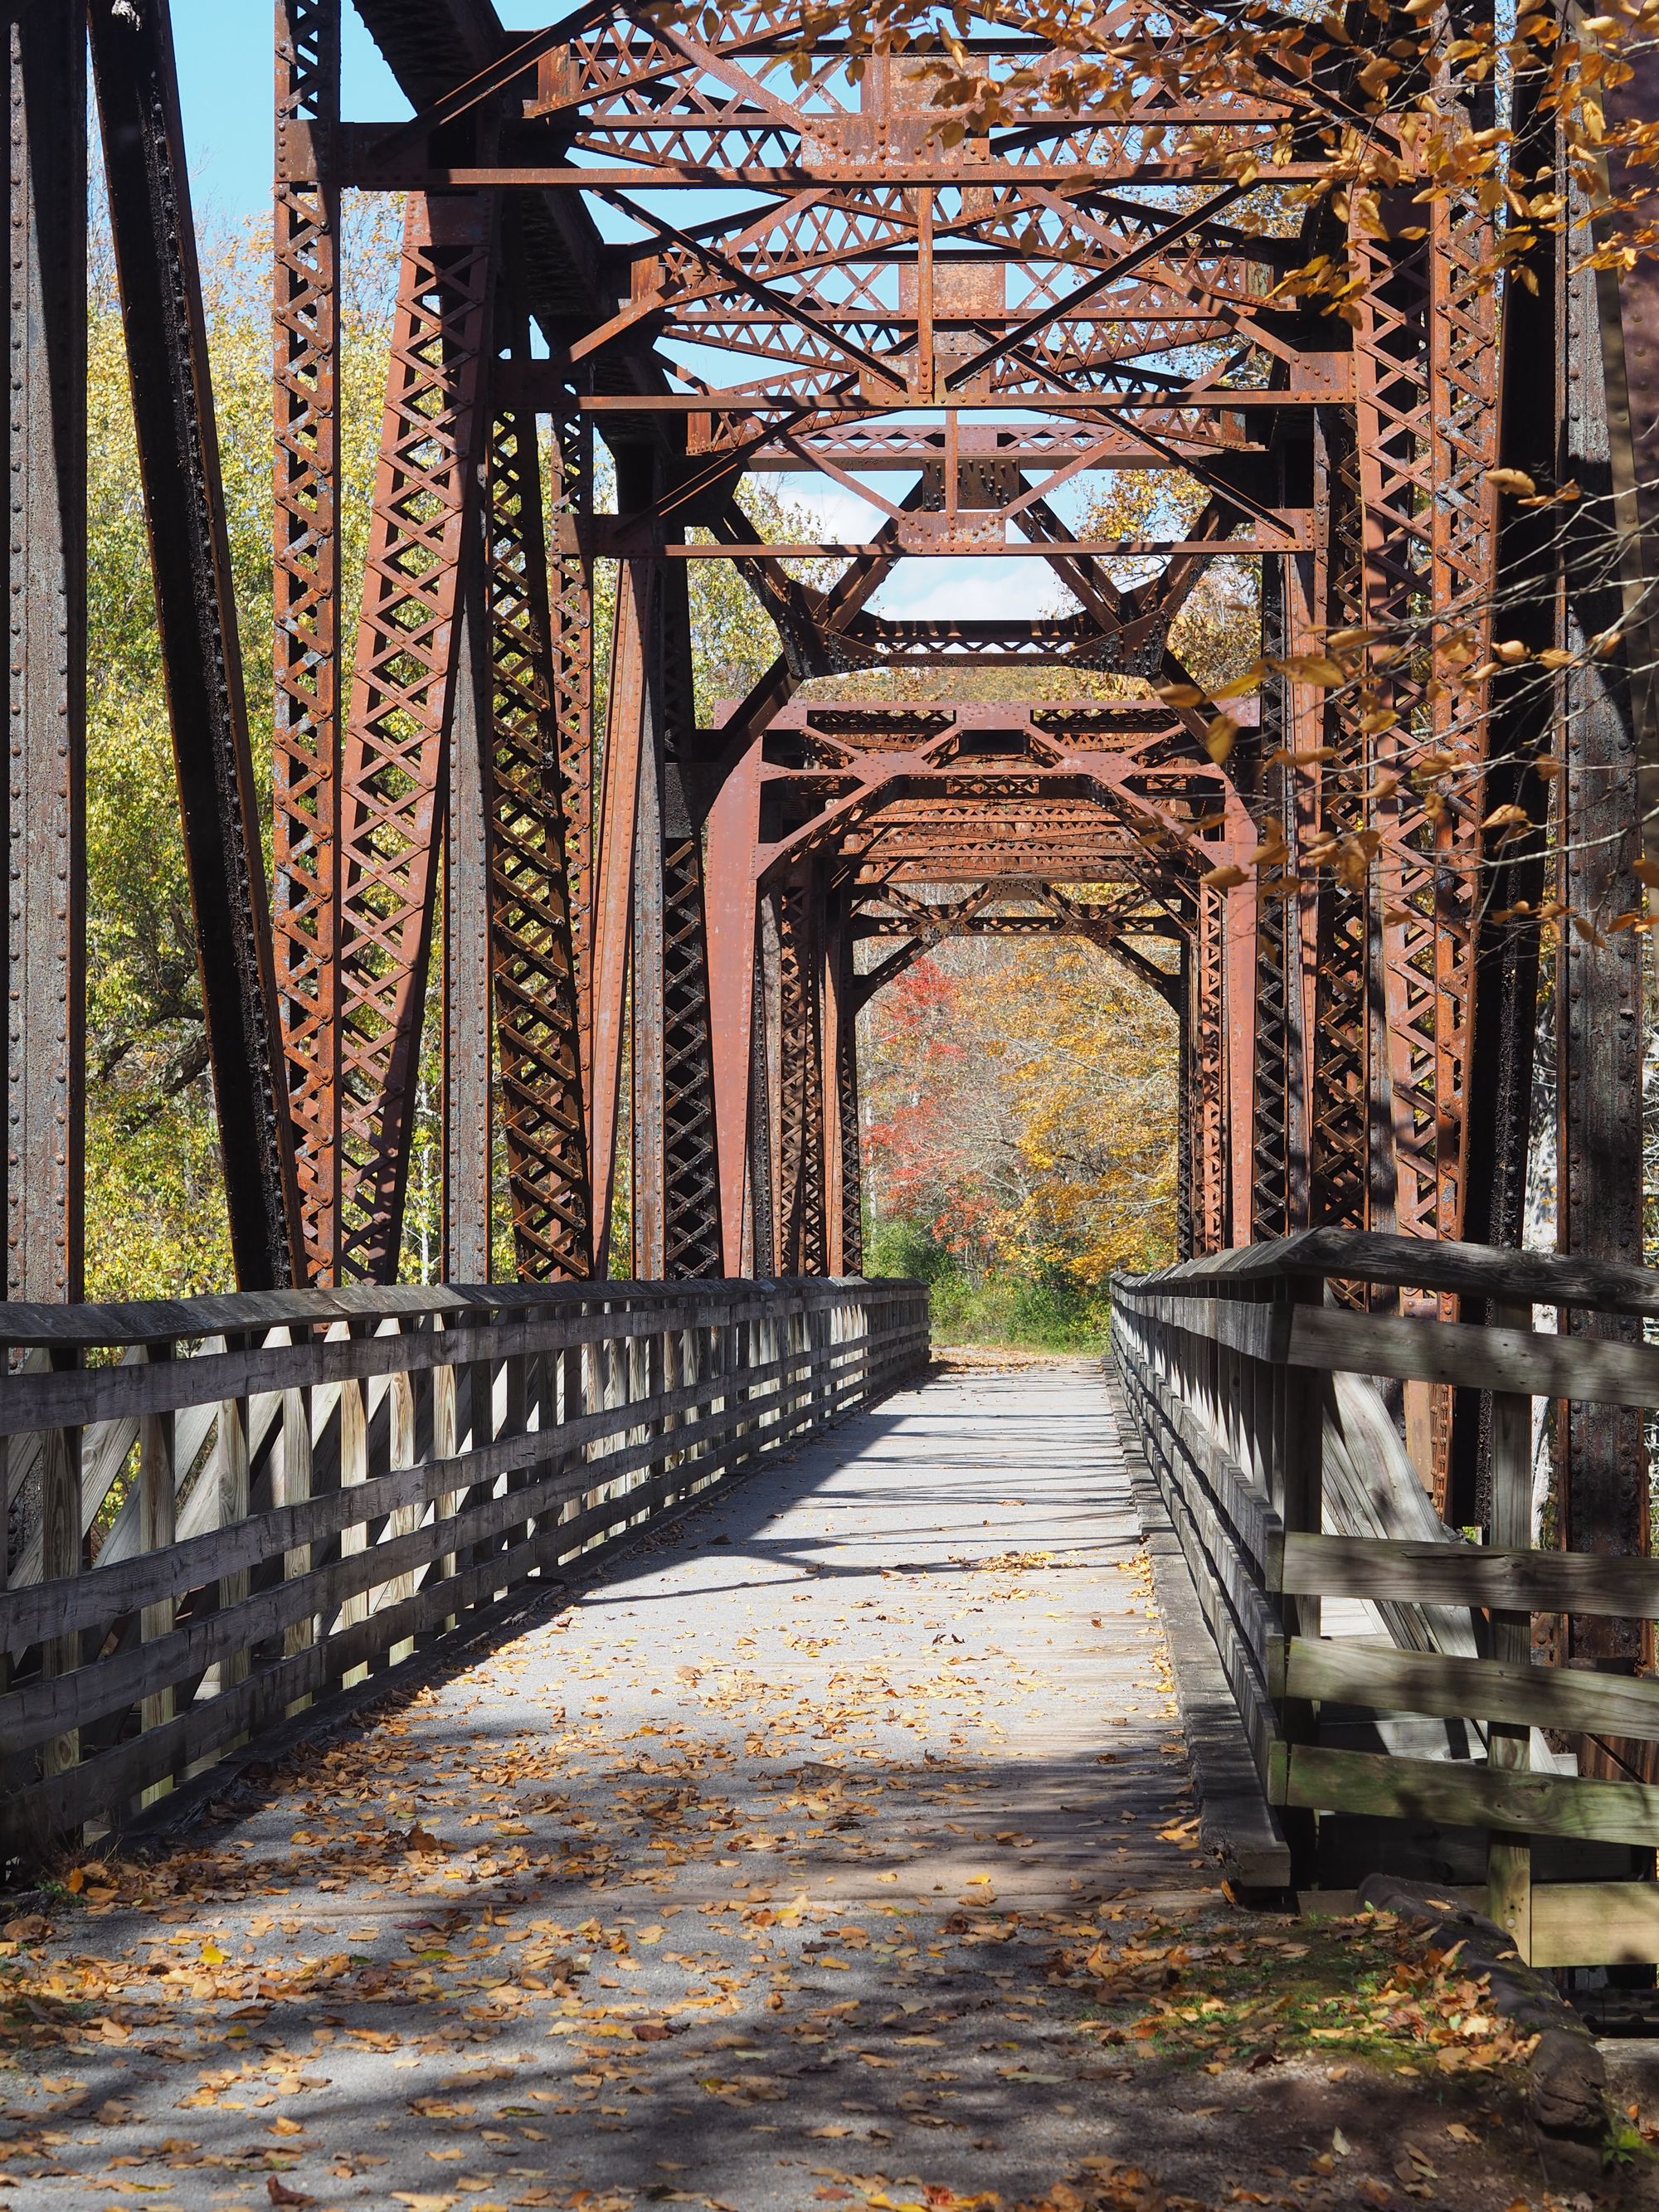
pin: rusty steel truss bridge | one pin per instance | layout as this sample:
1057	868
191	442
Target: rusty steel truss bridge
646	256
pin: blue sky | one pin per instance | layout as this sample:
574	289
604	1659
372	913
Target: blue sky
224	87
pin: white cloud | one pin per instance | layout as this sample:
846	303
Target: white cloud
967	590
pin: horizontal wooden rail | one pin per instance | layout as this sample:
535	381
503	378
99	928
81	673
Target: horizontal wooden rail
1378	1679
296	1490
1463	1793
1472	1574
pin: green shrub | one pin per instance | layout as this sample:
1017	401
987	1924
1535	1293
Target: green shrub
1050	1313
906	1247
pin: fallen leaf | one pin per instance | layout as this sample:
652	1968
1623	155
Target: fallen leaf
280	2193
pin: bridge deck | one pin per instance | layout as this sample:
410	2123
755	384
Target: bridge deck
776	1779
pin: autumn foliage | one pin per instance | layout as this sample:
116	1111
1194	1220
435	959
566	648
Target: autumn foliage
1020	1106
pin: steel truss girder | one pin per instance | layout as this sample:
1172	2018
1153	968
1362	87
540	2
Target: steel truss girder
691	1207
425	527
306	666
537	1011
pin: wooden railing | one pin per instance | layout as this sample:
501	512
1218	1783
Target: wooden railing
224	1510
1252	1384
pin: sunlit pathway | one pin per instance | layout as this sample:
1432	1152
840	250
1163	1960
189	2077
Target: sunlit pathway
759	1874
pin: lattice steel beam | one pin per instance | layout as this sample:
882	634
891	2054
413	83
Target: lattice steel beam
305	763
402	698
536	1008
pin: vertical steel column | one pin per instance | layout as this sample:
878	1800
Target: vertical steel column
1185	1245
647	1212
305	663
797	907
1425	374
630	736
1340	1057
184	502
468	1109
572	493
733	968
852	1149
1207	1011
1522	713
1276	1035
402	699
45	597
691	1153
538	1018
831	1013
843	1191
1603	1462
763	1090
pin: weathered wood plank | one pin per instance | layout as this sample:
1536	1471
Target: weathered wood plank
1381	1680
1479	1270
1461	1794
1261	1332
1237	1821
149	1321
1595	1924
1477	1575
1521	1360
47	1399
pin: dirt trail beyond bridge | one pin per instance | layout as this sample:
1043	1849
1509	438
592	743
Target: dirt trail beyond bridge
837	1848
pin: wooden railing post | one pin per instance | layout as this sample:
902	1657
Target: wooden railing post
158	1514
353	1432
61	1549
1509	1858
233	1460
291	1486
445	1444
1299	1499
403	1520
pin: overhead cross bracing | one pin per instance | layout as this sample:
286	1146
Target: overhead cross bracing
765	274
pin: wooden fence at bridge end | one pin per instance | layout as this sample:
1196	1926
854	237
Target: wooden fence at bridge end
1259	1383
